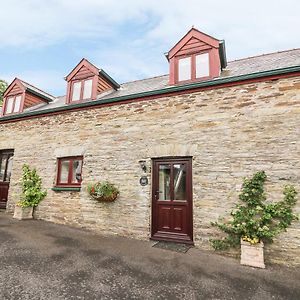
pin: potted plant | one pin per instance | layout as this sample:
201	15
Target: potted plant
32	194
255	222
103	191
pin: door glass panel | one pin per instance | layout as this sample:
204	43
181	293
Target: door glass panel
64	171
164	182
180	182
2	167
9	167
76	171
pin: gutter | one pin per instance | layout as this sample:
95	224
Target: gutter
160	92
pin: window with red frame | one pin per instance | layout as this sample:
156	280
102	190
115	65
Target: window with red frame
82	89
193	67
69	171
13	104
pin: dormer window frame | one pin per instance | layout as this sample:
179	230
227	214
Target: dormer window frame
194	43
29	97
84	71
14	97
82	87
193	71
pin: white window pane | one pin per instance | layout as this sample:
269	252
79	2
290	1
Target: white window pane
184	69
9	105
87	91
77	166
76	91
17	104
64	171
202	65
9	168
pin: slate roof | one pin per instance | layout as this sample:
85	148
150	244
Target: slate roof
37	90
265	62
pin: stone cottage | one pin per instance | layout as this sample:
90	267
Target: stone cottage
177	146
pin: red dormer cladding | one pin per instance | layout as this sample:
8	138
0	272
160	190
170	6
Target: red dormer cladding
21	95
197	56
86	81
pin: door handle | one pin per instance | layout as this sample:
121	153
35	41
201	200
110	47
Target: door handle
156	195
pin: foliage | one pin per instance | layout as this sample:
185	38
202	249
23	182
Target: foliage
32	193
103	190
255	220
3	86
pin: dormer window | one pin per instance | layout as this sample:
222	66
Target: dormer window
13	104
193	67
86	81
197	56
82	90
20	95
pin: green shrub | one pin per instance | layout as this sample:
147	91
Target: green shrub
32	193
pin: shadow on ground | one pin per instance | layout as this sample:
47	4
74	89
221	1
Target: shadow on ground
41	260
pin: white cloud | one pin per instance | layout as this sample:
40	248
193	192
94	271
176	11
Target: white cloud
249	28
32	23
47	80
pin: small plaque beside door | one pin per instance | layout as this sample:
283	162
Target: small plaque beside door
143	180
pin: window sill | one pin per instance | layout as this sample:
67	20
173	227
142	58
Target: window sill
66	189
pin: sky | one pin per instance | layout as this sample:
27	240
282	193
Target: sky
42	41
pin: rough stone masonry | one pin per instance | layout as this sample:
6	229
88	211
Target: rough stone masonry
231	132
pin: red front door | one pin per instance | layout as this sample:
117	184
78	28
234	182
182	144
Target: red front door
6	158
172	217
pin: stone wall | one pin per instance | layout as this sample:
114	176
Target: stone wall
230	132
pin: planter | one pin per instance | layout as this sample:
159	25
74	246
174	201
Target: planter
105	198
103	191
252	254
23	213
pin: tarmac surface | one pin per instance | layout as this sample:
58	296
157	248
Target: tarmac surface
42	260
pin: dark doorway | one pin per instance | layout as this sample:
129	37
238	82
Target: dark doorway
172	203
6	159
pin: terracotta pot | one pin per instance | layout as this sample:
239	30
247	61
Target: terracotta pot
111	198
23	213
252	254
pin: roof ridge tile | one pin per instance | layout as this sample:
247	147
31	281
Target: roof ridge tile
264	54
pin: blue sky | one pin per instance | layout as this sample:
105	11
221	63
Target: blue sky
43	40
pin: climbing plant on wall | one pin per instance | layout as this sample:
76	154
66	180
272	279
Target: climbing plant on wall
32	193
254	220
